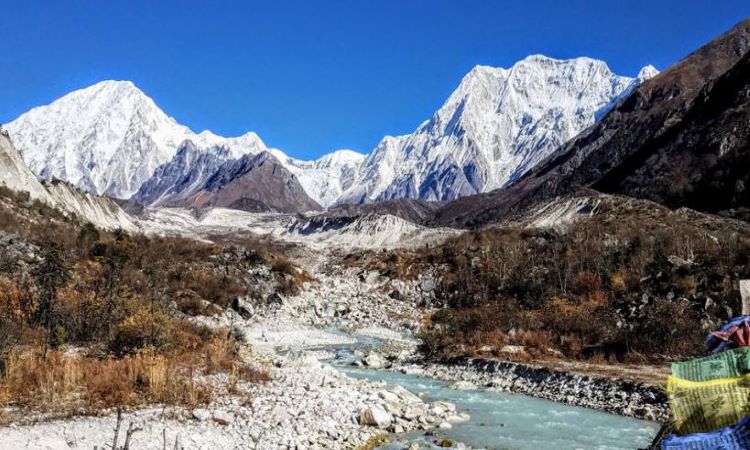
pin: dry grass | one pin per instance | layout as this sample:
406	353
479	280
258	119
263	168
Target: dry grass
61	382
111	297
57	381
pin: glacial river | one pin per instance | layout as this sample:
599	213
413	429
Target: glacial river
511	421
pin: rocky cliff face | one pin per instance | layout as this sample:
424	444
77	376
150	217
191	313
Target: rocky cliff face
101	211
15	175
257	183
187	171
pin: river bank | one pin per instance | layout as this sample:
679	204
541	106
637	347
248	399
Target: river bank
310	403
615	396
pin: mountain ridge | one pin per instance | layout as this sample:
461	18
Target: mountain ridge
496	125
15	175
637	122
117	145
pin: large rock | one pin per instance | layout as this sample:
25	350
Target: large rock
463	386
405	395
375	416
374	360
201	414
428	285
243	307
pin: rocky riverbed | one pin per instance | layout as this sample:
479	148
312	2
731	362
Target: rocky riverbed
309	404
637	400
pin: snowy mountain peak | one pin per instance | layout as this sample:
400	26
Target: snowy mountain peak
339	158
497	124
107	138
647	72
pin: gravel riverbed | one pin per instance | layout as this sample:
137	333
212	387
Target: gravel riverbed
308	404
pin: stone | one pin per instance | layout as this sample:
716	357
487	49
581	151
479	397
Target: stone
222	417
405	395
463	386
412	413
389	397
372	277
428	285
445	426
446	406
374	360
243	307
514	349
375	416
201	414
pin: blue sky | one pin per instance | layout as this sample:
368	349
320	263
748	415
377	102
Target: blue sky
313	76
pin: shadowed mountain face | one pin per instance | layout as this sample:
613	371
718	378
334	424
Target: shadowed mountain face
187	171
256	183
415	211
680	138
703	162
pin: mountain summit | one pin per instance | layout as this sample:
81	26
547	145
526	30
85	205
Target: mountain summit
109	138
106	139
680	139
495	126
112	139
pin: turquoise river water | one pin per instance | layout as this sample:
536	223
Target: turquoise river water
511	421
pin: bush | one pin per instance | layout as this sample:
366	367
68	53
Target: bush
143	328
604	287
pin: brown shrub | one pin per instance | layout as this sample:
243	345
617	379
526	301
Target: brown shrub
143	328
606	285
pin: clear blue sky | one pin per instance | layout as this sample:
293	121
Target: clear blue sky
313	76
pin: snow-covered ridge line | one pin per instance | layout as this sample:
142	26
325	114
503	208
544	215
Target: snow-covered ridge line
111	138
494	127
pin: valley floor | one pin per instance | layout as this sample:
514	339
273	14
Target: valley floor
310	404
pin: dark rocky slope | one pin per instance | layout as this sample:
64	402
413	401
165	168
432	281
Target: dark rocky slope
188	169
412	210
256	183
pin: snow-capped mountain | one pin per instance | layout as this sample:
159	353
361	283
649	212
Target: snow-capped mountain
110	138
327	177
496	125
106	139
